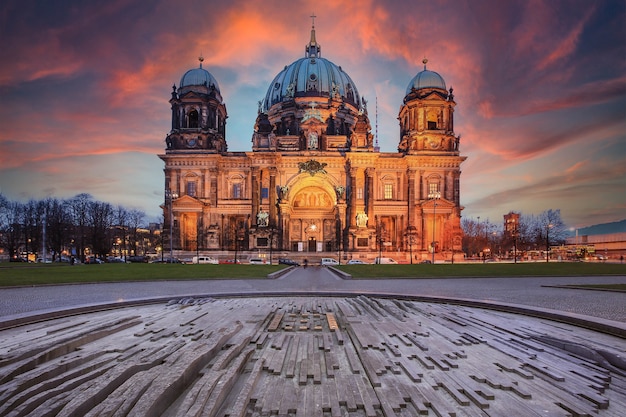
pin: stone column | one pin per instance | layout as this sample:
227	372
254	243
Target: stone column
177	189
411	196
255	192
369	191
353	173
203	192
213	186
273	197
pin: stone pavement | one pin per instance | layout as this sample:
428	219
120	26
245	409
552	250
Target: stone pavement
527	291
354	355
308	356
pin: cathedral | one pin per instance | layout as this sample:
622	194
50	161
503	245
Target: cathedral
314	182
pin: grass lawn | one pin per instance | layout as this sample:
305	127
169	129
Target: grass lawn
40	274
534	269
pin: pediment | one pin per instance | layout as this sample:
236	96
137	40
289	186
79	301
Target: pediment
187	203
441	204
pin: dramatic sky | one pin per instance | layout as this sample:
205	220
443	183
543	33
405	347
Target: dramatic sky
540	88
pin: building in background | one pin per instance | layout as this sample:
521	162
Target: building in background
314	180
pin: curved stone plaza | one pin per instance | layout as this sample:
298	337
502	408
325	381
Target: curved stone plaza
315	355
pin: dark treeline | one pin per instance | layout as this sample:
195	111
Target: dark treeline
531	233
76	227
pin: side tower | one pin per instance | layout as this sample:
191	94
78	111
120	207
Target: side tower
198	113
193	149
431	150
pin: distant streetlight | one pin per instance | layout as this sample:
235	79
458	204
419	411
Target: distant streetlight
515	243
272	231
170	197
548	227
434	197
410	236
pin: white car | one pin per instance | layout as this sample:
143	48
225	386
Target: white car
256	261
386	261
204	260
329	262
356	262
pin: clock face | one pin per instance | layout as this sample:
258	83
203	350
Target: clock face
433	144
191	143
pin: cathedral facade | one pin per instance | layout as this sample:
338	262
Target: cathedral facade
314	180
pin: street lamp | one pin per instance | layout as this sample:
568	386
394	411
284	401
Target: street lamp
170	197
434	196
410	235
379	238
272	230
548	227
515	244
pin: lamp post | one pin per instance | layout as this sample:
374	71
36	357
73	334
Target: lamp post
170	197
236	246
434	196
548	227
379	237
410	236
515	244
272	229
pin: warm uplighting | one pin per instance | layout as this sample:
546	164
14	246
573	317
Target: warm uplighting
434	197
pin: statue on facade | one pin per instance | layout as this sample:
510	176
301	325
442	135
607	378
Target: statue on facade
283	192
361	219
262	219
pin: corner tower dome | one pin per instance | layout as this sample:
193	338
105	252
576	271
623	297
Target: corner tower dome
311	76
198	77
198	114
426	79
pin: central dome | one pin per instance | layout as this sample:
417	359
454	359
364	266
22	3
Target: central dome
311	76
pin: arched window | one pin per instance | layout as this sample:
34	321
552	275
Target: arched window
191	185
434	186
193	119
388	187
236	186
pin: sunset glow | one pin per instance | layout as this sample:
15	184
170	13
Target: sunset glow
540	88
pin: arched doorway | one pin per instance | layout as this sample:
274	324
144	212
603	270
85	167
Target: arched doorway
312	217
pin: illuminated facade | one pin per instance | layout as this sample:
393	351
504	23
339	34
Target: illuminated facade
313	181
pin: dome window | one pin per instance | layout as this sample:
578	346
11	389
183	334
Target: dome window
192	121
313	77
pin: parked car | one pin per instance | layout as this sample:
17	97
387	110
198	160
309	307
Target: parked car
385	261
426	261
287	261
256	261
137	258
329	262
204	260
168	261
92	260
115	260
356	262
230	261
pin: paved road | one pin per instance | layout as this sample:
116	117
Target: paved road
533	292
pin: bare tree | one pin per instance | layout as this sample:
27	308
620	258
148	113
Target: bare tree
11	226
135	219
79	207
100	219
